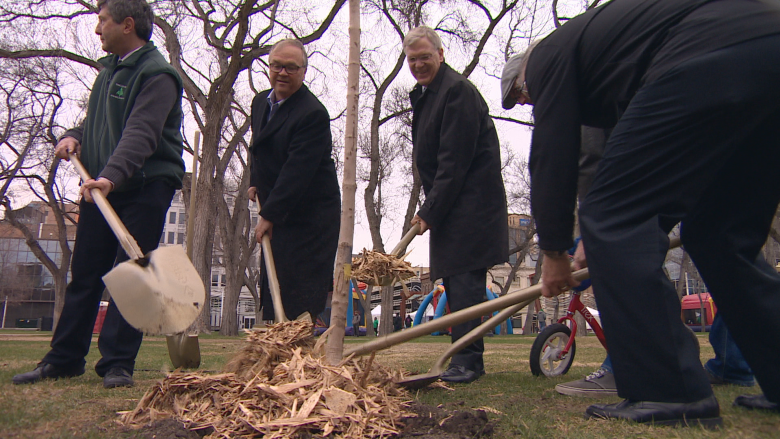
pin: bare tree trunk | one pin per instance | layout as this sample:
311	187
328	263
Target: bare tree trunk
684	263
386	318
528	327
582	328
338	311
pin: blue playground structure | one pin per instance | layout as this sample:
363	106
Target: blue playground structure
439	298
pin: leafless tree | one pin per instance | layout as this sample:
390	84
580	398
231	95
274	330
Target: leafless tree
213	45
33	95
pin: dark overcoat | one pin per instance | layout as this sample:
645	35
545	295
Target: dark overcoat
296	183
457	155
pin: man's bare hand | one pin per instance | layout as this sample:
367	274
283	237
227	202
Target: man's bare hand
103	184
580	261
251	193
556	276
67	146
263	227
423	224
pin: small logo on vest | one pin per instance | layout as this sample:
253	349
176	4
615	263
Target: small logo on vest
119	92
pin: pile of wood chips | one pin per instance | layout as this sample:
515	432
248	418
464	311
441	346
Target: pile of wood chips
280	386
377	268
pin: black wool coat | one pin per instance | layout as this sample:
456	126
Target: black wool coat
457	155
296	183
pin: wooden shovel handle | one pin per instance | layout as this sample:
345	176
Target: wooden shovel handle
273	280
126	240
399	249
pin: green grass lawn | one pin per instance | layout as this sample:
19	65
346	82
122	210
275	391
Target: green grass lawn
520	404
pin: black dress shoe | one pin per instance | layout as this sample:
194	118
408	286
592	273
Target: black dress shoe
756	402
459	374
705	412
117	377
44	371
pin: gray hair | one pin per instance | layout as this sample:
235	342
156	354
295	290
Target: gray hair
512	70
417	33
291	42
526	54
138	10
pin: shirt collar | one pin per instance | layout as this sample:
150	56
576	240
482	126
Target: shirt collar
272	99
130	53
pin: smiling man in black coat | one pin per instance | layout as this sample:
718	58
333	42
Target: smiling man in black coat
294	178
457	155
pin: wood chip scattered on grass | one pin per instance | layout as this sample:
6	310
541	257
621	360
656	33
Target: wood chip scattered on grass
277	386
376	268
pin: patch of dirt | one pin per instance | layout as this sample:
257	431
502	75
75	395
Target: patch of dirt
448	421
167	429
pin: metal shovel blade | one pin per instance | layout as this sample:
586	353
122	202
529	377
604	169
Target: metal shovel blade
184	350
163	296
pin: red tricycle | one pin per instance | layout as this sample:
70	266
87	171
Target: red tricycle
553	350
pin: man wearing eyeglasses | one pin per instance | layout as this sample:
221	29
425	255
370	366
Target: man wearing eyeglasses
294	179
691	89
456	152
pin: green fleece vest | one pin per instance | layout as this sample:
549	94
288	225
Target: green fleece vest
110	104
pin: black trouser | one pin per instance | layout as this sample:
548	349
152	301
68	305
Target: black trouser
465	290
96	249
700	145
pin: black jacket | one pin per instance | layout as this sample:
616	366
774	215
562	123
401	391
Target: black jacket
292	167
587	71
457	155
296	183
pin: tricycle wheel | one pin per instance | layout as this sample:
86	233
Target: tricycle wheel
546	356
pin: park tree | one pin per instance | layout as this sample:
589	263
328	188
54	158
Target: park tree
216	46
33	99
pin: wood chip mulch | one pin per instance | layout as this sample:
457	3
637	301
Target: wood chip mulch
377	268
279	386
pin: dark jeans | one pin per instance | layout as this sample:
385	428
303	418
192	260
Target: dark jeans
94	254
728	364
701	146
465	290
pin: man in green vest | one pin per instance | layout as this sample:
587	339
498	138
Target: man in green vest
130	142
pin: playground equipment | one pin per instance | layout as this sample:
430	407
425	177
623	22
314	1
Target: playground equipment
438	298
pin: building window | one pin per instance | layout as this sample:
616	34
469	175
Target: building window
172	218
182	217
216	303
181	238
171	237
214	280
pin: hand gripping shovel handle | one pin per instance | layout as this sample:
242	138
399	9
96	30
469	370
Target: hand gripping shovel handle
273	281
126	240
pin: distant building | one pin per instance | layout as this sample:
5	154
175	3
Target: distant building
26	285
175	233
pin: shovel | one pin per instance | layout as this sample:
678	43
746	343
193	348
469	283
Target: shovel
273	280
509	304
398	251
183	348
157	293
513	302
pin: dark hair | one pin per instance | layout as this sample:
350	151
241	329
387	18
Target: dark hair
138	10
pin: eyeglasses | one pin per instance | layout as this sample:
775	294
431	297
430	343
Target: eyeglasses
290	68
423	58
519	92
